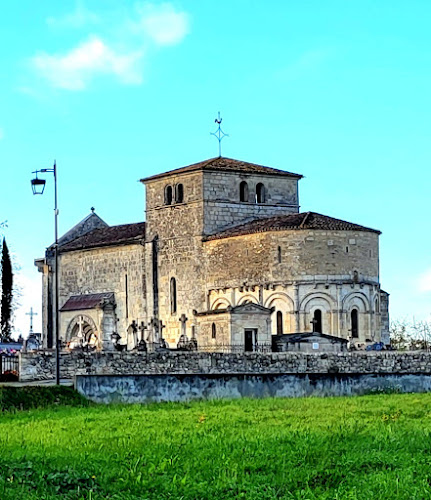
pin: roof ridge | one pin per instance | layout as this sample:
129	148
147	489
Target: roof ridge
286	222
304	220
225	164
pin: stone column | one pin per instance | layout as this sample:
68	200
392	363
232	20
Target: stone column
109	325
296	306
339	310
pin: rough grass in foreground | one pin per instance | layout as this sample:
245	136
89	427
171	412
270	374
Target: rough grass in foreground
25	398
371	447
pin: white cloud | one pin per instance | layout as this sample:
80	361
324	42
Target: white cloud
74	70
162	24
425	281
152	26
77	19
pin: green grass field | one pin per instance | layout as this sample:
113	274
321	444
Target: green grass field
371	447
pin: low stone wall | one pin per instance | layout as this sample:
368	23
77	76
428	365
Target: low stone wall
158	388
40	365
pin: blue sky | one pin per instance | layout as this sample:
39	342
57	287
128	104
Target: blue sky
116	90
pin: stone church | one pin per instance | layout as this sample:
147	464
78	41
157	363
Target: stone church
224	261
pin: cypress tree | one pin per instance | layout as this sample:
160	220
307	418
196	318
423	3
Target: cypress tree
7	293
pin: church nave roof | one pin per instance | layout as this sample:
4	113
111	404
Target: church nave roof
112	235
306	220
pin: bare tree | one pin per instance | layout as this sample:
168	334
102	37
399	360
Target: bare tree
406	335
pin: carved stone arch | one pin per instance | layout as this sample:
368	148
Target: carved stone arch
305	306
281	318
376	301
279	296
220	303
316	311
86	326
356	300
247	298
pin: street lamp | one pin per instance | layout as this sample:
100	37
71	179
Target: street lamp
38	186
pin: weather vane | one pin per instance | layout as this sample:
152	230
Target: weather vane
219	134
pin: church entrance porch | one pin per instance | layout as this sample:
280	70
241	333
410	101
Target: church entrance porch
88	321
244	328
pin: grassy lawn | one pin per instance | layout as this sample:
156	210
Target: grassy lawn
335	448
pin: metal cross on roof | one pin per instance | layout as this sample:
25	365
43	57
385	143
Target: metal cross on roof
31	314
219	134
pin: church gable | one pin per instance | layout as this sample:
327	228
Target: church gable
89	223
250	308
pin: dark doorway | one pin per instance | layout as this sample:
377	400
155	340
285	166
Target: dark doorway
317	321
250	338
355	323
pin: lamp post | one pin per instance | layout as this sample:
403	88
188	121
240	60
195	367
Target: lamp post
38	186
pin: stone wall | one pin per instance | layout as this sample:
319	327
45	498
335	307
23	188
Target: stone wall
40	365
178	228
158	388
223	207
119	269
319	255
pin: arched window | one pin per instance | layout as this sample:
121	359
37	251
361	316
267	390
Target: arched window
279	323
243	191
317	321
279	255
173	295
260	193
168	195
213	331
354	323
179	193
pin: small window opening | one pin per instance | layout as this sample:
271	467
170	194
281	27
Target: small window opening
213	331
260	193
354	323
279	323
168	195
173	295
279	255
179	193
317	321
243	191
347	249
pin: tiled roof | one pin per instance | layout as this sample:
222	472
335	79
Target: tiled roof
304	221
107	236
225	165
86	301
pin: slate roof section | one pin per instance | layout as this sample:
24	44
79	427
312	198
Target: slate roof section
86	301
108	236
92	221
302	221
222	164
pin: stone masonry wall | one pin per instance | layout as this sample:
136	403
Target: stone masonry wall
223	207
104	270
253	258
179	230
40	365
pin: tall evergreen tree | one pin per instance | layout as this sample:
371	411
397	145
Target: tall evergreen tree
6	294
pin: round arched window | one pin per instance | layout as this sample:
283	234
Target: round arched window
168	195
243	191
